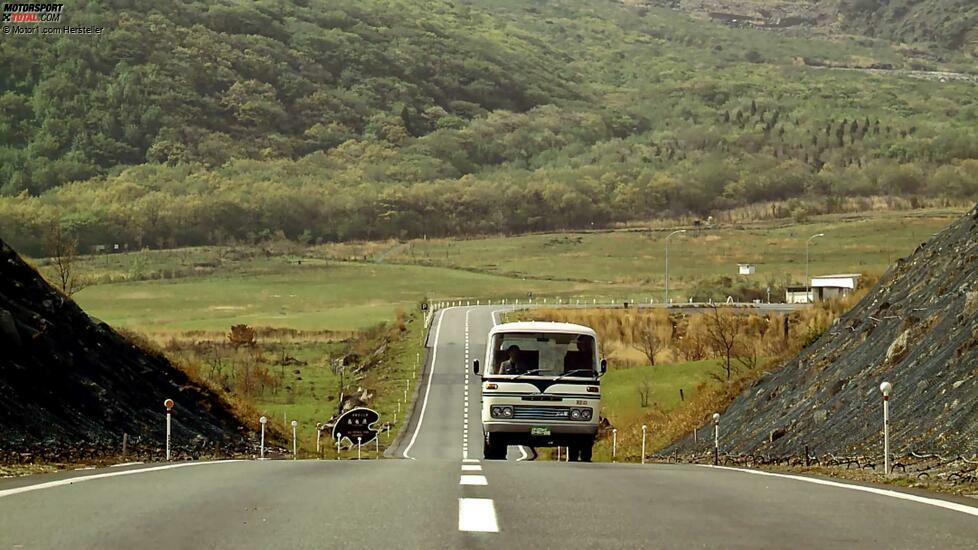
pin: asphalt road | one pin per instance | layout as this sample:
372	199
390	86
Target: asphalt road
444	496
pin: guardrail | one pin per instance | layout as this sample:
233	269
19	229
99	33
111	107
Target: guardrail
602	302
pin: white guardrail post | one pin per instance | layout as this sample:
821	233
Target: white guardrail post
169	407
716	439
614	445
262	420
645	429
319	433
295	425
886	388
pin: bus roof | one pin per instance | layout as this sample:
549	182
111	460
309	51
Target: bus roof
542	326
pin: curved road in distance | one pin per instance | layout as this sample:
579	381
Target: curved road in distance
445	496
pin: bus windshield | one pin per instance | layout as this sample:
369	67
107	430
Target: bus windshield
543	354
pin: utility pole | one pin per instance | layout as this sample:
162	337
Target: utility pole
808	280
667	262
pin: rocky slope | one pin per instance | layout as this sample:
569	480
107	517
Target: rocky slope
942	24
70	386
917	329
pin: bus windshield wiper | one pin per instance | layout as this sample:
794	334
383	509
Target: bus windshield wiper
570	372
527	372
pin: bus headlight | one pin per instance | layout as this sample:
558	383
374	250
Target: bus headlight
580	414
500	411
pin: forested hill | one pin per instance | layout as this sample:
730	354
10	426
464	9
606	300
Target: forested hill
181	82
191	123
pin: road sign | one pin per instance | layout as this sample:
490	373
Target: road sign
424	306
356	423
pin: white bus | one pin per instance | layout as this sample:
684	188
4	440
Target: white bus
541	388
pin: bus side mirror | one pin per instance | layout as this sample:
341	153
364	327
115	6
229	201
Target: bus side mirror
475	366
604	366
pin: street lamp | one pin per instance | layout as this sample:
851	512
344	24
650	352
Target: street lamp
808	280
667	262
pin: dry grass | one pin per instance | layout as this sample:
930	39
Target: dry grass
763	345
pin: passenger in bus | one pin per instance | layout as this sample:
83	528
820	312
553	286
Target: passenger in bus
583	358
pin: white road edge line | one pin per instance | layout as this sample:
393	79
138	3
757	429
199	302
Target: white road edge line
82	479
477	514
963	508
427	391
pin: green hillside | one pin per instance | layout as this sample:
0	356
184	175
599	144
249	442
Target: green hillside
189	124
203	82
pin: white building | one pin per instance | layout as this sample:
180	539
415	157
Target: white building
797	295
830	287
824	287
747	269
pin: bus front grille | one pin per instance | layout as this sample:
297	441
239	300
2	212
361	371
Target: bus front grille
524	412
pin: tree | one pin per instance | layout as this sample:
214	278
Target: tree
648	339
61	247
722	336
644	389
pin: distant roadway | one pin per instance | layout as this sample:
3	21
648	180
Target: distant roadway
443	495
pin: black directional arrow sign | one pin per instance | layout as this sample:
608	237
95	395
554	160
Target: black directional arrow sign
356	423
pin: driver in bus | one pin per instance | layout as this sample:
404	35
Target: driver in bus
511	365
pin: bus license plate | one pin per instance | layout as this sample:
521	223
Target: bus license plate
539	431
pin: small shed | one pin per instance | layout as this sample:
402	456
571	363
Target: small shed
831	287
797	295
747	269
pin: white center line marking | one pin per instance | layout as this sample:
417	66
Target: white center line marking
471	460
477	514
473	480
471	468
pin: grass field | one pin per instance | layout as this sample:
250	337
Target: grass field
865	243
210	288
311	296
619	388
